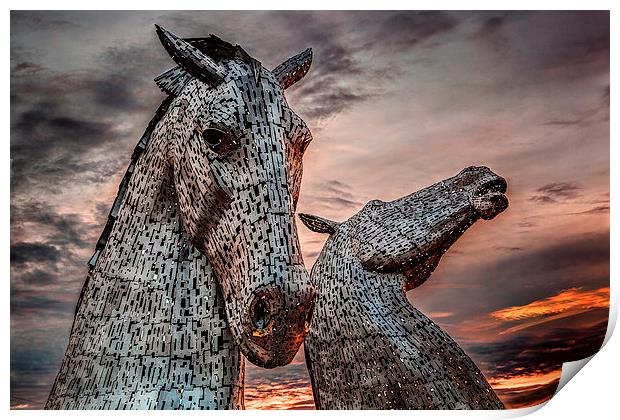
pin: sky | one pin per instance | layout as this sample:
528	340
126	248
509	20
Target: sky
396	101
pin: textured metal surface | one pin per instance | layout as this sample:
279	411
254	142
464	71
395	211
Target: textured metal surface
368	347
199	259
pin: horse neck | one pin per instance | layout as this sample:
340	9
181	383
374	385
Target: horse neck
151	279
147	228
365	324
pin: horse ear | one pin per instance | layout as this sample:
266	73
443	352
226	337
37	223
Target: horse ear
293	69
190	58
318	224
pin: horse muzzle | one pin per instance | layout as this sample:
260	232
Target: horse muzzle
276	323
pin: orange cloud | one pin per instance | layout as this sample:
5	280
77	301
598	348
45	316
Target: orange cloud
571	300
528	380
527	390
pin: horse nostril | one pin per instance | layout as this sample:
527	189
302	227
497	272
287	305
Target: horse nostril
261	313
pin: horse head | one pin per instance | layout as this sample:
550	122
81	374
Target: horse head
235	151
410	234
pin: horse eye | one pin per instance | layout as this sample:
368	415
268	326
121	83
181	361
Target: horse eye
213	136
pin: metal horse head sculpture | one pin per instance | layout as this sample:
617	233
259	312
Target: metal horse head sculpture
199	259
389	355
235	150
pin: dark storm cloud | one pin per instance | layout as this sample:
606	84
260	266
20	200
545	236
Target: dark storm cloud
45	130
38	277
406	29
579	38
546	46
124	81
491	25
323	100
110	93
39	20
518	278
23	252
23	300
392	32
67	228
63	122
538	351
39	269
49	143
325	92
556	192
589	41
556	265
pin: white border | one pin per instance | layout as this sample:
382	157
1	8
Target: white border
592	396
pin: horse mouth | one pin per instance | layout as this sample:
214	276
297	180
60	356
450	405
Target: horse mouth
490	199
497	185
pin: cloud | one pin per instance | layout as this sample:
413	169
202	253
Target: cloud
26	67
72	126
564	122
38	277
333	195
516	279
529	394
39	20
324	99
51	145
556	192
60	228
602	209
28	301
291	395
587	42
406	29
524	368
22	253
573	299
491	25
47	273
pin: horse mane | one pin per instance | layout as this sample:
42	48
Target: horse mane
218	49
122	188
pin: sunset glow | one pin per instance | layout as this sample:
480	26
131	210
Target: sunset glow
574	299
279	397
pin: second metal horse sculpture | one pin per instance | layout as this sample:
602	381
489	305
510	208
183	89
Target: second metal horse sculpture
368	347
200	257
